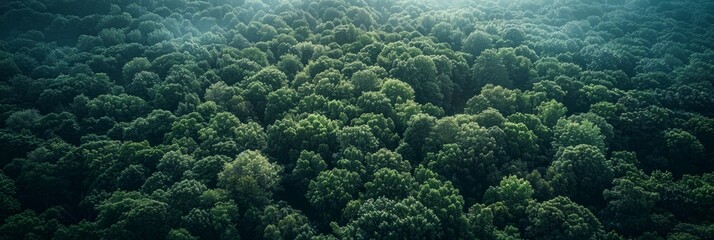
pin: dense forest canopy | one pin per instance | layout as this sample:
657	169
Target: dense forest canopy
356	119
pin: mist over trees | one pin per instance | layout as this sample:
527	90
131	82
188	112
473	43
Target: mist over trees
356	119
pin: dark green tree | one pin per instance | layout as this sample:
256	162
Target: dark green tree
332	190
385	218
561	218
580	172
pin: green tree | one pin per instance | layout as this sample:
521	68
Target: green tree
382	128
345	34
412	145
390	183
216	221
122	107
278	103
290	65
7	196
521	142
476	42
629	207
580	172
322	64
134	67
490	118
684	152
421	73
28	119
270	76
206	169
174	164
397	91
568	134
445	131
502	99
375	102
481	222
30	225
141	83
285	223
473	163
131	215
180	234
385	218
183	195
446	202
250	178
561	218
226	135
385	158
550	112
490	69
360	137
365	81
508	201
82	230
332	190
152	128
307	167
315	132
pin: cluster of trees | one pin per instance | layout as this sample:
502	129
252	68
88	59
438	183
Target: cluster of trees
356	119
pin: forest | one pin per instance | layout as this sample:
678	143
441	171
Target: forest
357	119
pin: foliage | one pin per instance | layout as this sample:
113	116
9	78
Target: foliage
356	119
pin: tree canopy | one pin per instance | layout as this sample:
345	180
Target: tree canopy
356	119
